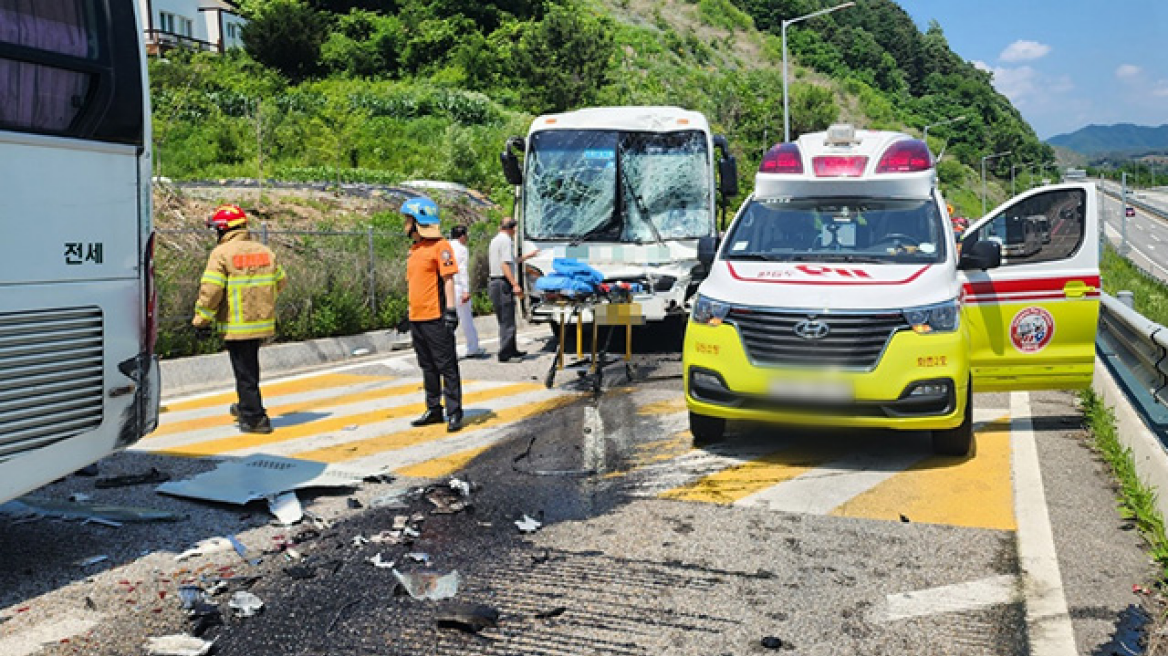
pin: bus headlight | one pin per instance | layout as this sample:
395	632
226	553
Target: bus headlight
708	311
938	318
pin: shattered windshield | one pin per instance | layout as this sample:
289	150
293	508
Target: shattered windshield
838	230
574	176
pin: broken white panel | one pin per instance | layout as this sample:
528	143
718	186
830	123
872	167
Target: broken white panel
286	508
527	525
179	644
259	476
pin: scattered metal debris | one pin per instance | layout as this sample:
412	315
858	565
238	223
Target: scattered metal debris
419	557
151	477
33	506
527	524
551	612
381	564
447	501
393	499
259	476
245	604
206	547
429	585
462	487
92	560
179	644
471	618
190	596
286	508
355	504
242	551
904	519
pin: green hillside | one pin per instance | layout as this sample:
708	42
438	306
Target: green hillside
390	90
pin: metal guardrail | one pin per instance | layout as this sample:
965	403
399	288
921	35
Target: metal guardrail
1143	345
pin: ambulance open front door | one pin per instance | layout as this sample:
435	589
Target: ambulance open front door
1032	320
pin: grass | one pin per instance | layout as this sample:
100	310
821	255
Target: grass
1137	501
1151	295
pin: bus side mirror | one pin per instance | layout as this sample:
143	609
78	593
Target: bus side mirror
510	160
707	250
728	176
980	255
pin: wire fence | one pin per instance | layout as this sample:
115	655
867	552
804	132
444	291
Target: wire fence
340	282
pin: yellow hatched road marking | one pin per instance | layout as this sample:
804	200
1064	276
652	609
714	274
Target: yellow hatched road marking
251	440
441	467
201	423
734	483
409	437
275	389
666	407
975	492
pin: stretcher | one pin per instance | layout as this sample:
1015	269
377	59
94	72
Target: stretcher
612	308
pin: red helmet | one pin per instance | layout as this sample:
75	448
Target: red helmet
227	217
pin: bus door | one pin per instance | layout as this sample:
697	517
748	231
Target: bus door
1032	321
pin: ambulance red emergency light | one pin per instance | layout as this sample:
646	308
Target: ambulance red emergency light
839	296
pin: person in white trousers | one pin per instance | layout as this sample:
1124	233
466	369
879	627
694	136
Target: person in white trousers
458	240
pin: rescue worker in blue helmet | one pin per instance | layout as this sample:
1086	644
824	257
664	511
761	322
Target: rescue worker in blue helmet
430	270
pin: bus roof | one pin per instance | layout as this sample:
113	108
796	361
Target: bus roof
633	119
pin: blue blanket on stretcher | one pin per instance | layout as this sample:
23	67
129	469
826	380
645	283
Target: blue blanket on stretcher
571	278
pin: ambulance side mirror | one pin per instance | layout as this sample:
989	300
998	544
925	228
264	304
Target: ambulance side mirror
510	160
707	250
980	255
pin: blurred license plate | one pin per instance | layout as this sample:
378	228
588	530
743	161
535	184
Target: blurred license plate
822	391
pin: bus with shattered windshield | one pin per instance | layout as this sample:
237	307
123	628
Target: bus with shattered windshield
78	379
629	191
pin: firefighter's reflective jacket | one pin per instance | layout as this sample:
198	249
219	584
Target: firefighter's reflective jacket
237	294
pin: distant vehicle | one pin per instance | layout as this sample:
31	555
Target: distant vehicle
630	190
78	379
1043	225
1021	236
1074	174
1129	211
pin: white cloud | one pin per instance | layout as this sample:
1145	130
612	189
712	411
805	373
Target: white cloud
1127	71
1161	89
1024	51
1017	84
982	66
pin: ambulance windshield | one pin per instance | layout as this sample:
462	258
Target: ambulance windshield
603	185
838	230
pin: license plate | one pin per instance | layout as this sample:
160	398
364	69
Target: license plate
811	391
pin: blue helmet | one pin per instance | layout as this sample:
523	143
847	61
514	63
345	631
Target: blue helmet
422	209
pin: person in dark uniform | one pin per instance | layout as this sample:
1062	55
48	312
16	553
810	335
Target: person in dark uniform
430	271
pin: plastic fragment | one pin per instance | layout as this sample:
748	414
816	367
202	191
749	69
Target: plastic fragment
377	562
771	642
179	644
92	560
245	604
206	547
528	525
428	585
471	618
151	477
286	508
419	557
551	612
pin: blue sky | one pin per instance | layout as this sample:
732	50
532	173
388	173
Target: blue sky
1065	64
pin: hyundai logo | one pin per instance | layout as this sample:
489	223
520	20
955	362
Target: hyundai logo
812	329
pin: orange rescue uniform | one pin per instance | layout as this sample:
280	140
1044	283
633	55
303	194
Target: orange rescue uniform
430	261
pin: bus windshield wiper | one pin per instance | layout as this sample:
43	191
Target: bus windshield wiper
639	204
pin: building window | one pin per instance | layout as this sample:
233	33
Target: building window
166	21
233	31
169	23
185	26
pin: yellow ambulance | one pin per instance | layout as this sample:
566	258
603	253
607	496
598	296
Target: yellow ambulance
839	296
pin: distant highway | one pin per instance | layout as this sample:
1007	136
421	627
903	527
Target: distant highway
1147	234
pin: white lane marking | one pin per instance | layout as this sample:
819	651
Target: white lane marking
954	598
310	396
1151	247
1049	623
826	487
1157	237
1115	241
54	630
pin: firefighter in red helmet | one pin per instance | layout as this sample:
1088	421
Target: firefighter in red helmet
237	296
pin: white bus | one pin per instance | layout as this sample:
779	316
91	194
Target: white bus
78	379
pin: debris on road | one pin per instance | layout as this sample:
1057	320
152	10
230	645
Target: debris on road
206	547
242	551
551	612
245	604
92	560
527	524
447	500
190	596
771	642
286	508
355	504
904	519
395	499
151	477
419	557
179	644
471	618
462	487
259	476
429	585
70	510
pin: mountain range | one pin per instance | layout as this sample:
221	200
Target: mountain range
1110	139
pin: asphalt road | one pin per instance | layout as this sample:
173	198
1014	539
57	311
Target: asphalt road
1147	234
833	542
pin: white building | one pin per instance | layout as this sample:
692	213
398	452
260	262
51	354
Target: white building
210	25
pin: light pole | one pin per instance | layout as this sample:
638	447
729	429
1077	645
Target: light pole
1123	214
786	104
939	124
983	177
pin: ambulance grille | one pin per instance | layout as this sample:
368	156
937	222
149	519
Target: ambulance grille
855	341
51	382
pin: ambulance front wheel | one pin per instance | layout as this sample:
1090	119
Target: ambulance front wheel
706	430
957	441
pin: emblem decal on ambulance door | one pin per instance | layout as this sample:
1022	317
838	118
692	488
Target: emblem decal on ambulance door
1031	330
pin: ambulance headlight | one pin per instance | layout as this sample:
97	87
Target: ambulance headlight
708	311
939	318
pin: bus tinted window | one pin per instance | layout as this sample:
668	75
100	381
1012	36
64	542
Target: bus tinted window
60	26
41	98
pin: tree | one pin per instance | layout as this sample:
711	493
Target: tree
287	36
565	59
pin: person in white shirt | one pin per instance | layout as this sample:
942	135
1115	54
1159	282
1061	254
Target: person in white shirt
462	294
504	288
